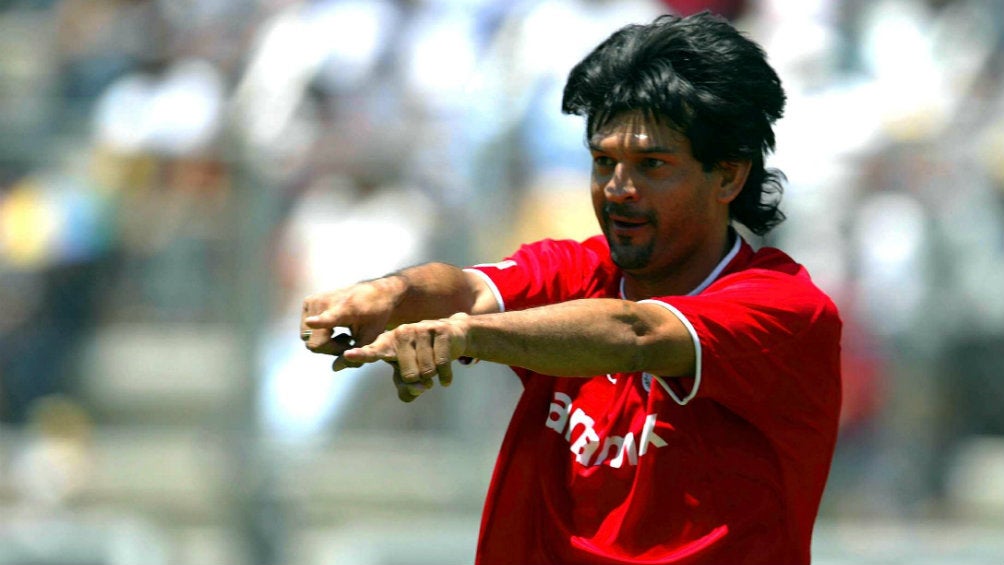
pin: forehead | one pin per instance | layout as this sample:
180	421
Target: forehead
635	130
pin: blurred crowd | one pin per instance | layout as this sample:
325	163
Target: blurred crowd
147	146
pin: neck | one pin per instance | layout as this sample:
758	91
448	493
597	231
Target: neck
683	277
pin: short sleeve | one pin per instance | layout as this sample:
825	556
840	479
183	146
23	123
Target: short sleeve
547	272
768	343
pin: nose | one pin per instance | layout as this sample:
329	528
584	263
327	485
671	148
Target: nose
620	187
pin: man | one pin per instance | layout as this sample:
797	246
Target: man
681	390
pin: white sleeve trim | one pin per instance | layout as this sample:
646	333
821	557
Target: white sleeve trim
697	353
491	287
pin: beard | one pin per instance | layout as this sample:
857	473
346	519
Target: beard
627	254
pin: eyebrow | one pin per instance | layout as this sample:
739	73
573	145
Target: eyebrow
644	151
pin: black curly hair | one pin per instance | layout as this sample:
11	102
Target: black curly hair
703	77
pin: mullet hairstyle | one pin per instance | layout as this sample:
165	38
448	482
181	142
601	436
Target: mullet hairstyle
702	77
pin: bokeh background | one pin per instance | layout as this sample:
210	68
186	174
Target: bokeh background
176	175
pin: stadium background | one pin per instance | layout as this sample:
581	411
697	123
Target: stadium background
176	175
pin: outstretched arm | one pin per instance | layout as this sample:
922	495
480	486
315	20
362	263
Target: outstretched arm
429	291
575	338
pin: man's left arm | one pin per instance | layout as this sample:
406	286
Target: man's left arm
576	338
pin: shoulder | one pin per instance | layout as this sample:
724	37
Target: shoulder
769	267
595	245
764	259
770	279
590	253
553	270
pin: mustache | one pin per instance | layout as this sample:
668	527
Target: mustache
626	211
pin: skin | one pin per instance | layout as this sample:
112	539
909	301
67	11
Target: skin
666	219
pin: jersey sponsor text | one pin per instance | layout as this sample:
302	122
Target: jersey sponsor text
589	448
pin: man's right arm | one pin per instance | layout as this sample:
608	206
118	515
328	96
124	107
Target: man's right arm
424	292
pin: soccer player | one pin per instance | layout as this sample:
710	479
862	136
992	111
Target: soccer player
681	389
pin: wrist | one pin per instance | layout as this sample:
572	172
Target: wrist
463	326
388	293
397	286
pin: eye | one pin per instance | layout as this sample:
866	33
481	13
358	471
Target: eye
602	161
652	163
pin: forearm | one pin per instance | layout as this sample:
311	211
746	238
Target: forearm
427	292
580	338
584	338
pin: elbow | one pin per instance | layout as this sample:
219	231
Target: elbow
658	343
644	354
640	346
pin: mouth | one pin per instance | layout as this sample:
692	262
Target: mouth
627	225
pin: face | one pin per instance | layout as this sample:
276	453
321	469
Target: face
660	211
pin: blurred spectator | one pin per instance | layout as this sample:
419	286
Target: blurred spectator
175	222
328	103
731	9
55	238
97	41
301	399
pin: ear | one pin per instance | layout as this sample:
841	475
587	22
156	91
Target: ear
731	179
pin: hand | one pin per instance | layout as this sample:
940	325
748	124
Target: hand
418	352
364	308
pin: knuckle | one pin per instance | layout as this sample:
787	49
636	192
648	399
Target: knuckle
314	300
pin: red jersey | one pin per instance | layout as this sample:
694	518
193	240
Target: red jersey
723	467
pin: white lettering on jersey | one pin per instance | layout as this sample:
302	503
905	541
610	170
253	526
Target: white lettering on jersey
578	418
648	436
587	442
627	449
611	442
566	420
558	416
501	265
